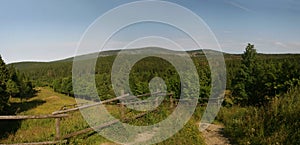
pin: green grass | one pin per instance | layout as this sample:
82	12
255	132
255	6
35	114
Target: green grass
277	123
36	130
46	101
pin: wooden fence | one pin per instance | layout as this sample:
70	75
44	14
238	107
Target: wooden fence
58	115
110	122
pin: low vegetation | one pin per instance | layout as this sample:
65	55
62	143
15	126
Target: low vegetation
261	104
276	123
46	101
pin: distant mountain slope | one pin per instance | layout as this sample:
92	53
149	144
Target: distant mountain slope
115	52
193	53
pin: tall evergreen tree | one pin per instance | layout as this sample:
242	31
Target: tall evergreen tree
12	88
27	90
4	76
4	73
245	83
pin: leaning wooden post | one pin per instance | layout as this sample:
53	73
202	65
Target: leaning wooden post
156	102
171	100
220	101
156	98
57	128
122	107
122	111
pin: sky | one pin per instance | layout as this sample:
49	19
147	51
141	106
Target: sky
47	30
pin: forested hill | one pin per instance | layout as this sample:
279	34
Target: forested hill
28	66
272	74
62	68
22	65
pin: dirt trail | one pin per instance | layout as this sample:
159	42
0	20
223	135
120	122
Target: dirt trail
213	135
140	138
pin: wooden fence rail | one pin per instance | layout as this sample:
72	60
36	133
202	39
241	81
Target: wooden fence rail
102	126
40	143
23	117
57	115
90	105
107	124
103	102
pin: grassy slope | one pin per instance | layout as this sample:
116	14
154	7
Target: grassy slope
48	101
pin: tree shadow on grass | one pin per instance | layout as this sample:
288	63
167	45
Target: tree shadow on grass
18	107
8	127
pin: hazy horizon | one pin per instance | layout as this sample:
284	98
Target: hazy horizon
50	30
69	57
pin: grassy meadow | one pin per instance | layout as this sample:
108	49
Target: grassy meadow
47	101
35	130
261	104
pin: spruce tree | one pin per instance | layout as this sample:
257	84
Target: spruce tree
4	76
4	73
245	83
12	88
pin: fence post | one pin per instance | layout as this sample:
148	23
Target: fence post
57	128
156	99
171	101
122	107
220	101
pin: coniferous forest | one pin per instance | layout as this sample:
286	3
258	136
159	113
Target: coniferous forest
253	79
13	84
261	103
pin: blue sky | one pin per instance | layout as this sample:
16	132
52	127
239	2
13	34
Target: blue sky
45	30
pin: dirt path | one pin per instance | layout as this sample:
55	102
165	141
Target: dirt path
213	135
140	138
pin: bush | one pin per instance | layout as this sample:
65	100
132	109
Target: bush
276	123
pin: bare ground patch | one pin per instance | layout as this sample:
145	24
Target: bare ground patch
213	135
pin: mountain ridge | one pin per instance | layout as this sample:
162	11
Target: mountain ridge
192	53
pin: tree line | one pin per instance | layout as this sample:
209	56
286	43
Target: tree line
13	84
252	78
258	81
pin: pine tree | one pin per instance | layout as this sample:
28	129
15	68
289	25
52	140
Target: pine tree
12	88
4	73
245	83
27	90
4	76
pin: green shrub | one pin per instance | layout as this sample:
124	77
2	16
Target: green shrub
276	123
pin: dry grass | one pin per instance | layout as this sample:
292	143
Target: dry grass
44	129
48	101
276	123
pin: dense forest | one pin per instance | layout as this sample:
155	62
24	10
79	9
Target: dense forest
261	103
13	84
253	79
